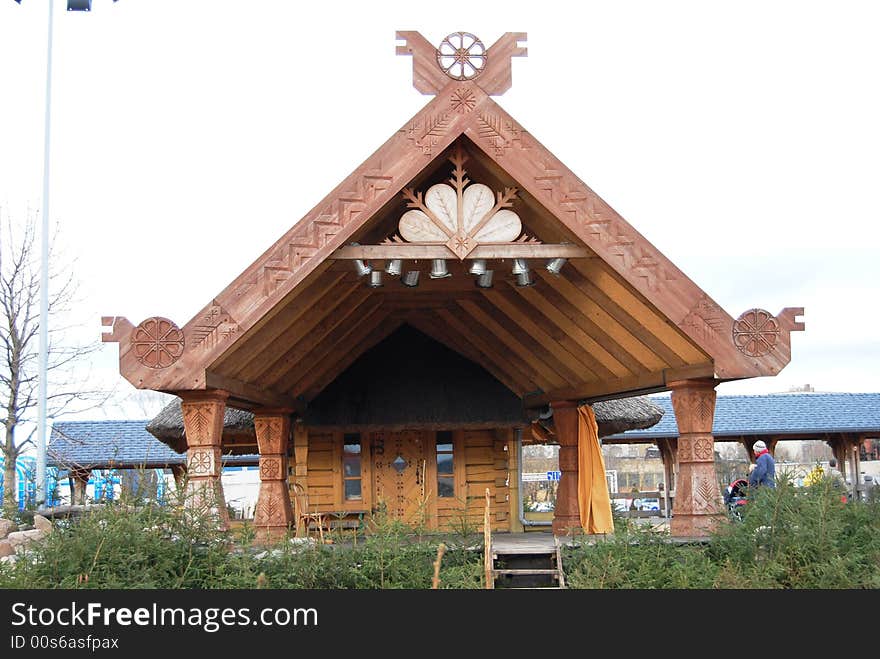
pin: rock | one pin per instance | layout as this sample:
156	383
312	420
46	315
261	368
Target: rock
8	559
7	526
42	524
6	548
24	538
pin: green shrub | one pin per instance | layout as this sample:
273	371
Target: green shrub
790	537
150	546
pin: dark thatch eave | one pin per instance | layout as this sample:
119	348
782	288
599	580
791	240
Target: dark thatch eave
634	413
167	426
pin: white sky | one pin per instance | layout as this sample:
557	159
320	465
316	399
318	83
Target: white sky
742	139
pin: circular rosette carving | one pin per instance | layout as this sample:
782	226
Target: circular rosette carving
461	56
157	342
755	332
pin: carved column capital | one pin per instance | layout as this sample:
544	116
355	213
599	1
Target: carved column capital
694	405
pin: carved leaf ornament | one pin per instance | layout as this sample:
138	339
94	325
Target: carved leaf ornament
461	215
478	199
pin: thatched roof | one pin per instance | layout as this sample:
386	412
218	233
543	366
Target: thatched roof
167	426
634	413
409	380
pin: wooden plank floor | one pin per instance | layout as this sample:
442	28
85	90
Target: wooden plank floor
523	543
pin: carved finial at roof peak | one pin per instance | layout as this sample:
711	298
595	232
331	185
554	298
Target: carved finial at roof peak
462	56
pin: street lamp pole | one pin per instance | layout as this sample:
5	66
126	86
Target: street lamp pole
44	279
43	357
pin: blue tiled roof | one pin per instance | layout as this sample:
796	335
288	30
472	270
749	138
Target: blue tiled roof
775	414
102	444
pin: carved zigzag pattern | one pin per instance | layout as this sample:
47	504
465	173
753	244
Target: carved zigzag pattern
315	234
587	210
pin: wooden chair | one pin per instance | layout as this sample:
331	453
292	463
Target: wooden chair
304	516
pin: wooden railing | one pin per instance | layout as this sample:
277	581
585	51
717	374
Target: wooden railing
646	494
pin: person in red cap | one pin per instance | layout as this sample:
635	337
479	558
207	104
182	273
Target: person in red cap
764	472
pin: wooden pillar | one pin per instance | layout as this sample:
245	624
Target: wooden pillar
203	413
856	468
567	514
513	471
667	453
698	507
79	481
301	454
179	474
273	514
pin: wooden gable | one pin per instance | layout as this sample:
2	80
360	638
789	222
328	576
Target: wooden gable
620	318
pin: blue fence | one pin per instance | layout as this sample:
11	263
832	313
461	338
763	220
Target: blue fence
103	484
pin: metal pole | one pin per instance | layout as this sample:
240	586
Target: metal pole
44	280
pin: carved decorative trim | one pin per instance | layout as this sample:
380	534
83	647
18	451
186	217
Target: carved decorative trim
755	332
270	508
201	462
705	318
708	497
703	448
460	214
270	469
312	236
157	342
215	326
463	100
425	134
694	410
499	132
461	56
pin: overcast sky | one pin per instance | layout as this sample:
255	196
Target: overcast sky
742	139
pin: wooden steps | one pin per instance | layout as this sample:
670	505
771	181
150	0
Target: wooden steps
536	566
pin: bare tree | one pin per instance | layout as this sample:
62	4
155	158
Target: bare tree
67	387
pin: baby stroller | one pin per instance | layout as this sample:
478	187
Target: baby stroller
735	497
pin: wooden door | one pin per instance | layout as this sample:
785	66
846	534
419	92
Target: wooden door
401	461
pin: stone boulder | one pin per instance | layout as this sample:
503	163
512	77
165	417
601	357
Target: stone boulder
7	526
6	548
24	538
42	524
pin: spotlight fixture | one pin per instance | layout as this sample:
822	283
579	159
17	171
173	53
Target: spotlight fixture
519	266
361	267
478	267
411	278
438	269
555	265
375	279
525	279
394	267
484	280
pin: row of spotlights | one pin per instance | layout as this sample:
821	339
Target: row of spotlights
484	276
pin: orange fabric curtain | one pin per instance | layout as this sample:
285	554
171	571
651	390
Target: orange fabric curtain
593	499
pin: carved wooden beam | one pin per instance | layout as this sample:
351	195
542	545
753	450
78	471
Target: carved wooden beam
605	389
256	395
412	251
